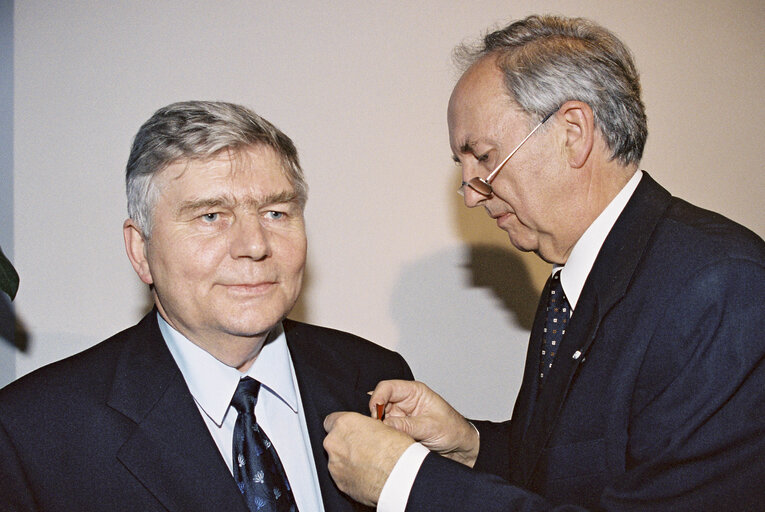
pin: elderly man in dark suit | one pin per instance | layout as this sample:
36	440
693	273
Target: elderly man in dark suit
644	385
213	401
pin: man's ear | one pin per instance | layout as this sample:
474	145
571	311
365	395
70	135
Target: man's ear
135	246
580	131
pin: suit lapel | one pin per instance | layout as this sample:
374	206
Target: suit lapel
606	284
170	450
325	387
524	404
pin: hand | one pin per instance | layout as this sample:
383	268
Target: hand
416	410
362	452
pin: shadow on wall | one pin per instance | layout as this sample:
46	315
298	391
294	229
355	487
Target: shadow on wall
147	303
12	329
464	316
14	332
505	273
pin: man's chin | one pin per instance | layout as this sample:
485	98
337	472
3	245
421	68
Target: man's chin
522	244
259	327
256	331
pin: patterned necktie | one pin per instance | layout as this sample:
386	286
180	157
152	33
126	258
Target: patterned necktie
558	312
257	469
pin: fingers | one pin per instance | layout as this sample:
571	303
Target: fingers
398	396
361	452
404	424
342	419
382	394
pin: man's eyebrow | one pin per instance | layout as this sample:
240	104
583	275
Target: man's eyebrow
285	196
193	205
467	147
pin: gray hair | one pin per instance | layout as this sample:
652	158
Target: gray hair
199	130
548	60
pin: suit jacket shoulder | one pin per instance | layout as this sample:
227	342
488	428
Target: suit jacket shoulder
111	428
343	354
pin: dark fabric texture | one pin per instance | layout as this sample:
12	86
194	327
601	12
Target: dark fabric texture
115	427
662	410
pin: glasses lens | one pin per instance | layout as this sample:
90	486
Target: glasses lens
480	186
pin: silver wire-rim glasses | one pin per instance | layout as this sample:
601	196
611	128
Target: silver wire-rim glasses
483	185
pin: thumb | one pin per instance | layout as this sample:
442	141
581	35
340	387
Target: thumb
329	421
409	425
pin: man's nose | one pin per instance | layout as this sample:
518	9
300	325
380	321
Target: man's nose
471	197
249	239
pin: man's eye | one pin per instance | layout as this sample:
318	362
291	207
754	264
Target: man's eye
210	217
482	158
275	215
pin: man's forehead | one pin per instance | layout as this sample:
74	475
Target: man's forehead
257	165
475	126
480	112
245	177
483	77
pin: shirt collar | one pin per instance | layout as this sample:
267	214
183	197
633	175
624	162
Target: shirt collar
582	258
212	383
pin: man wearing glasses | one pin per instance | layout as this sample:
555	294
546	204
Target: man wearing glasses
644	382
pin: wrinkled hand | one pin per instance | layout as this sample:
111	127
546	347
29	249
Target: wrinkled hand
416	410
362	452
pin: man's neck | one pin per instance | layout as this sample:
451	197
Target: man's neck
232	350
598	190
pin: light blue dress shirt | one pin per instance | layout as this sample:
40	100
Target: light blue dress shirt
279	410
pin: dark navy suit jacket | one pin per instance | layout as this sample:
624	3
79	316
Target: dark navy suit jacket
665	407
115	428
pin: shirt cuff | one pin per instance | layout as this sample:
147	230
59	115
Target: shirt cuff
395	492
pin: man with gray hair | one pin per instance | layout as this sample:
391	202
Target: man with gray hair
214	401
644	384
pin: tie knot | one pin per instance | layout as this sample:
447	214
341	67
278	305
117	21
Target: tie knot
246	395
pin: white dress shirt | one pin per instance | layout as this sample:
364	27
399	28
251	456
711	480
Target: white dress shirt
279	410
573	275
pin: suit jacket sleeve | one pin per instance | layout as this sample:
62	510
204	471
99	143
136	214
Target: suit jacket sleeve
494	456
695	433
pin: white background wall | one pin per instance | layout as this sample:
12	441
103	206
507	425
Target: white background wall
362	89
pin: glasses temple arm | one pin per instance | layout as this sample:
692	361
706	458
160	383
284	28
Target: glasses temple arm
496	170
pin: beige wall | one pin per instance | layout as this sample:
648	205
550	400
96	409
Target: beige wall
362	89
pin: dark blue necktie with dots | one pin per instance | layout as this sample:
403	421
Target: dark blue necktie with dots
257	468
558	313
